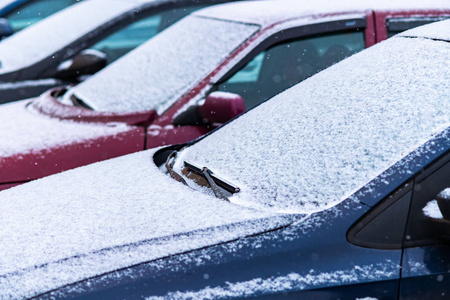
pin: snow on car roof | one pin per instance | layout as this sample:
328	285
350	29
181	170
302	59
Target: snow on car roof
315	144
25	131
37	42
271	12
438	30
107	216
4	3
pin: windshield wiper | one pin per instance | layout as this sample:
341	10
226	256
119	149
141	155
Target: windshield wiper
217	184
78	102
169	167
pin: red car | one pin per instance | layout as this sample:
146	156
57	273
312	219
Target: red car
165	91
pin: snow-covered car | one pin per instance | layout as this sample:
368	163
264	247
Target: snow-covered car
154	95
80	40
19	14
323	192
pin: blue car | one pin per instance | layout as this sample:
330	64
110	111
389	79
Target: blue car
19	14
334	189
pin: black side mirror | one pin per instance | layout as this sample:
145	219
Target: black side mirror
219	107
5	28
88	62
443	200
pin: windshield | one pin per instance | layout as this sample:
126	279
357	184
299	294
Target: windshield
159	72
315	144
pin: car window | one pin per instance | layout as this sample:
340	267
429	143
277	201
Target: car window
383	227
397	25
126	39
34	11
290	62
422	228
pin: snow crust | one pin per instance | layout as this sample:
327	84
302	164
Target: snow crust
4	3
290	282
43	39
438	30
270	12
432	210
315	144
23	130
107	216
156	74
445	193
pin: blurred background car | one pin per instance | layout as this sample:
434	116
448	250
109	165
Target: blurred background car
54	52
165	92
15	15
324	191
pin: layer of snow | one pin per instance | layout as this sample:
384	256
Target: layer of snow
43	39
23	130
107	216
4	3
290	282
315	144
445	193
439	30
28	83
270	12
156	74
432	210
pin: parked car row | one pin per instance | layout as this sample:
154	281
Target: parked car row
284	160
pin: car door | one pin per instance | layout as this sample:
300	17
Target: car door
426	257
275	64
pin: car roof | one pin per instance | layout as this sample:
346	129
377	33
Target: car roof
272	12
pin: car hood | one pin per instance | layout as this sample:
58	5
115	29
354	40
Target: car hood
24	131
106	216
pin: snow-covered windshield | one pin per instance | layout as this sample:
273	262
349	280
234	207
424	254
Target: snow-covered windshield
317	143
43	39
156	74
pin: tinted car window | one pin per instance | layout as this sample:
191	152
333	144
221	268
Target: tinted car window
133	35
397	25
422	229
288	63
35	11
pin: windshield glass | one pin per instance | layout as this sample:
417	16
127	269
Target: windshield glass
315	144
156	74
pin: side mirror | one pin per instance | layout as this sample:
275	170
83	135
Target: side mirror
443	200
88	62
5	28
219	107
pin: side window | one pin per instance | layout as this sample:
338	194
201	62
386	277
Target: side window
34	11
424	223
383	227
397	25
135	34
290	62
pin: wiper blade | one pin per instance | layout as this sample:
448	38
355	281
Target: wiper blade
78	102
169	167
214	181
